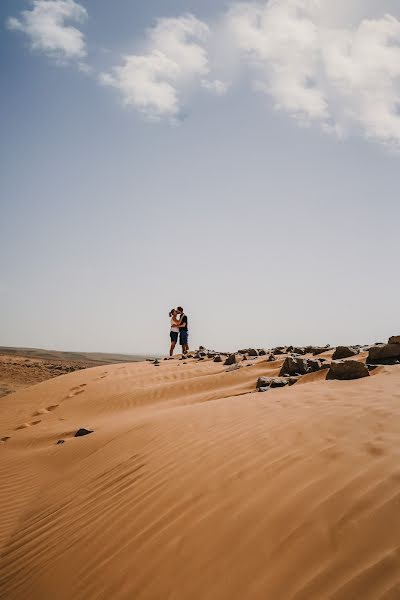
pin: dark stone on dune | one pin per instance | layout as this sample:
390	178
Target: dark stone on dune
313	364
384	354
317	350
83	431
293	380
243	351
60	442
271	358
278	351
294	366
156	363
395	339
231	360
252	352
217	358
244	357
344	352
298	350
289	349
201	348
271	382
347	370
261	352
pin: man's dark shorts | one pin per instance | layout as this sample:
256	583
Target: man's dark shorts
174	336
183	337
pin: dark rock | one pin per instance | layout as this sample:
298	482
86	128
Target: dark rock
317	350
293	380
278	351
384	354
273	382
243	351
60	442
271	358
395	339
201	348
156	363
325	365
298	350
344	352
252	352
231	360
217	358
313	364
261	352
83	431
263	389
244	357
347	370
294	366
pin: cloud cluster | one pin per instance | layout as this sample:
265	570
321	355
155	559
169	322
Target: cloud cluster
341	73
174	59
342	78
45	26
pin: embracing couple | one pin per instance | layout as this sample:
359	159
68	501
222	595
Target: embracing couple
179	326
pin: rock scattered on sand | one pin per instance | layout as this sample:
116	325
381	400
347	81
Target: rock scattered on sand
294	366
344	352
231	360
83	431
347	370
385	354
318	350
217	358
271	358
60	442
252	352
271	382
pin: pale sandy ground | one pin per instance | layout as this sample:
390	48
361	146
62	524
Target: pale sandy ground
194	487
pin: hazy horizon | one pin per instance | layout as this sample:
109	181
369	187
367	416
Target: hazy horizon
238	159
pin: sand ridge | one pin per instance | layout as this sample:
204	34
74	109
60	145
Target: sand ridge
193	485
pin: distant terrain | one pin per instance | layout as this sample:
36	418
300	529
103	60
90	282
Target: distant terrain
22	367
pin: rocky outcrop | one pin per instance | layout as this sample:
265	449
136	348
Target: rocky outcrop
217	359
395	339
384	354
344	352
231	360
294	366
347	370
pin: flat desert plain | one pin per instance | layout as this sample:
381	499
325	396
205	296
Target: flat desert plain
194	486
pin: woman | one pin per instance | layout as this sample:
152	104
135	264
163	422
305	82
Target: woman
174	330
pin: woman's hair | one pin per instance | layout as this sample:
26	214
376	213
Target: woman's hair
171	312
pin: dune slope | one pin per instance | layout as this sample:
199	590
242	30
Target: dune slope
194	486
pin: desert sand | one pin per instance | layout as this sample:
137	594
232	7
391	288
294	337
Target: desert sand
22	367
194	486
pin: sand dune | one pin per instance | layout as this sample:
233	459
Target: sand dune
194	486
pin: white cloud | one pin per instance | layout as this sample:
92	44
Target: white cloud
45	26
174	59
340	77
215	86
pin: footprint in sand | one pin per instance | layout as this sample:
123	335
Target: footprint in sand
5	439
25	425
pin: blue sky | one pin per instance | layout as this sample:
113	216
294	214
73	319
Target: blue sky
240	160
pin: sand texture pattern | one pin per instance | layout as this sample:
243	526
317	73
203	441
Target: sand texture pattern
194	486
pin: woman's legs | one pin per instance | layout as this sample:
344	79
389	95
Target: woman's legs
171	350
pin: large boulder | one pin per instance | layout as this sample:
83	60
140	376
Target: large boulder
278	350
231	360
218	358
299	350
384	354
262	352
271	358
347	370
294	366
313	364
395	339
252	352
344	352
318	350
271	382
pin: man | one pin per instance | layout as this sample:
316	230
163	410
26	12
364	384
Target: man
183	331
